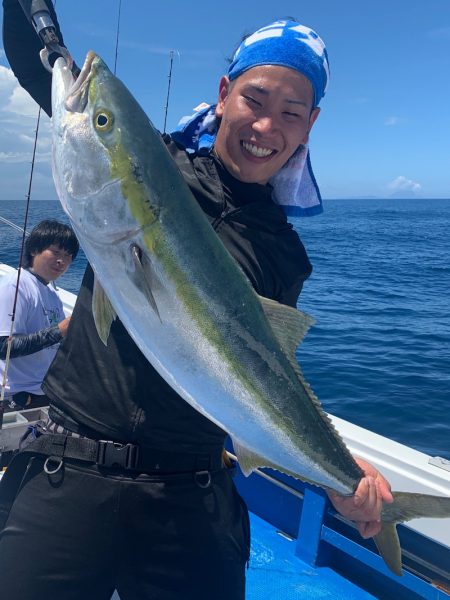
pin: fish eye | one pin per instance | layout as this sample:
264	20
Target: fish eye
103	120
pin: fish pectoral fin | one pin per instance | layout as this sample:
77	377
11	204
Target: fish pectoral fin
103	311
388	546
145	278
289	324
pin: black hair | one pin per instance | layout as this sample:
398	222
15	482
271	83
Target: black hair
48	233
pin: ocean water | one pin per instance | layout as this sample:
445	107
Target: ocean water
379	354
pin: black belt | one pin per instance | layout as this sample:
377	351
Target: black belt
129	457
104	453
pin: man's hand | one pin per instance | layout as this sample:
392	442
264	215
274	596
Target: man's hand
364	507
63	326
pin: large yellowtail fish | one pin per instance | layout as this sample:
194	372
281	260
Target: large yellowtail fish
183	299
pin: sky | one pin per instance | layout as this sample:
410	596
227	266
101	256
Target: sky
384	127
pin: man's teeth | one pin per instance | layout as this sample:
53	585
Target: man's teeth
256	150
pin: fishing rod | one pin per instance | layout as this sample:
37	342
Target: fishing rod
171	54
19	271
168	90
38	15
117	36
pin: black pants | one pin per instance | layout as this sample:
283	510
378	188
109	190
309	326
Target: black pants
80	533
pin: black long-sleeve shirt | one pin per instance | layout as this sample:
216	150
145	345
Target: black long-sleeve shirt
22	345
112	391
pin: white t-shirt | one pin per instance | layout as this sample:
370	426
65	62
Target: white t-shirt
38	307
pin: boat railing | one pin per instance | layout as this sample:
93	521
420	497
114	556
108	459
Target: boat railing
322	538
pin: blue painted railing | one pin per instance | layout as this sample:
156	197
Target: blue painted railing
324	539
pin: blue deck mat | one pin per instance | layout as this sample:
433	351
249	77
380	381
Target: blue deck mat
275	572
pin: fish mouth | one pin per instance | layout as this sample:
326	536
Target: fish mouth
76	92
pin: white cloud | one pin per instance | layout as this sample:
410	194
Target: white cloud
29	139
13	157
24	157
7	80
21	103
394	120
403	184
18	121
391	121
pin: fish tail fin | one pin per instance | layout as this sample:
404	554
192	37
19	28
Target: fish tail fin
389	548
406	506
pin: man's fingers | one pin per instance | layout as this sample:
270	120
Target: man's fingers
362	491
384	489
368	500
368	529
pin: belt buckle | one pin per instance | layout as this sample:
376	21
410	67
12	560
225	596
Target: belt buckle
113	454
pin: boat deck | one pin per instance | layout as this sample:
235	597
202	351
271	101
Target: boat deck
275	572
301	548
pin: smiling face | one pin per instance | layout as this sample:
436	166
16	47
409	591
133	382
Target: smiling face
266	114
51	263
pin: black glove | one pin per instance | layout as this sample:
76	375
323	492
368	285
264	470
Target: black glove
22	46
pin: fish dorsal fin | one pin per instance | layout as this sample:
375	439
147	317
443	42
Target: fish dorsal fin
103	311
289	325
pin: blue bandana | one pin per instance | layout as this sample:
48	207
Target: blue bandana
288	44
294	186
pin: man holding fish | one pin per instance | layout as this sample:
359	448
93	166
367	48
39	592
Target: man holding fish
125	487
